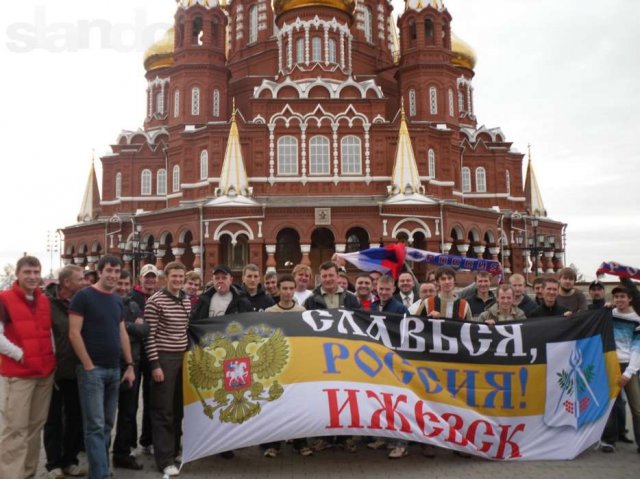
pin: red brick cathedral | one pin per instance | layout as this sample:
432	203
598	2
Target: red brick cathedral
279	134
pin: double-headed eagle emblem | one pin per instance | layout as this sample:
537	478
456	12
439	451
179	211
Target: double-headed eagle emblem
235	364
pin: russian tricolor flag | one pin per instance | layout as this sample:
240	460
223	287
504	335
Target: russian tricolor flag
388	260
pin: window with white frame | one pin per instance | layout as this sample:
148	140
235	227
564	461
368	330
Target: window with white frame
460	102
287	155
145	182
316	49
433	100
176	103
432	163
216	103
481	180
195	101
161	182
253	24
368	24
451	106
118	192
412	103
332	50
160	102
176	179
300	51
319	156
466	179
204	165
507	179
351	151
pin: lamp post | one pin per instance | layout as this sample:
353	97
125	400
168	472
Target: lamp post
53	247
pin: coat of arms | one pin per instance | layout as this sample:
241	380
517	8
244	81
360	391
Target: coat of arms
236	366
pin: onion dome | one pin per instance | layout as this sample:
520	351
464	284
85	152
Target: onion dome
463	55
282	6
204	3
160	54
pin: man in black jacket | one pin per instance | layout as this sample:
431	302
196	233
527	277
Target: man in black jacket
549	306
222	298
63	430
329	294
254	290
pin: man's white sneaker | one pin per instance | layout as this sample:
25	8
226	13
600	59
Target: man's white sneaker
171	471
55	473
75	470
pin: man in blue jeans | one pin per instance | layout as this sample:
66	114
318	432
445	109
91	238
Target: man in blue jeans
98	336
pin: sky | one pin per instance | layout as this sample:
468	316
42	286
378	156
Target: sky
562	76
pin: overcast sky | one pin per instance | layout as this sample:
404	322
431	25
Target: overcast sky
561	75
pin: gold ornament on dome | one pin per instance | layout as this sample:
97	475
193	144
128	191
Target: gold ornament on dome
160	54
463	55
281	6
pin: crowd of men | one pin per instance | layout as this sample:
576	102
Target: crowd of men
112	338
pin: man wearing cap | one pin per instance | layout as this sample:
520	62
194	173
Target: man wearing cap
596	292
90	277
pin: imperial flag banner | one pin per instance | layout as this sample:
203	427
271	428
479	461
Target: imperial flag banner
530	390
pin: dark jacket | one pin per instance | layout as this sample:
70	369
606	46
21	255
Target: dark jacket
239	303
138	296
478	305
261	300
597	304
347	300
65	356
527	305
137	331
393	306
544	311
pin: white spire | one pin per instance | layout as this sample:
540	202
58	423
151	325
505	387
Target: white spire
532	193
91	199
405	177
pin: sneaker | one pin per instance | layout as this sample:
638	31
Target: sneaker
171	471
321	444
377	444
607	448
126	462
429	451
398	452
271	452
179	458
305	451
147	449
75	470
350	445
55	473
624	439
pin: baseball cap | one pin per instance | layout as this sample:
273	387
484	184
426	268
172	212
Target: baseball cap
147	269
596	284
221	269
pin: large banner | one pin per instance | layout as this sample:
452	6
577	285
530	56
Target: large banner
536	389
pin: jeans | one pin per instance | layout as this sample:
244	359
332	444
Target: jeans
63	430
98	389
613	430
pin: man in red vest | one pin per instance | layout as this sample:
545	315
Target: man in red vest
26	370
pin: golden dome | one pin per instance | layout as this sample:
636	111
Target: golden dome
463	55
281	6
160	54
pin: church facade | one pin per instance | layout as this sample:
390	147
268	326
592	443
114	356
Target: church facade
281	133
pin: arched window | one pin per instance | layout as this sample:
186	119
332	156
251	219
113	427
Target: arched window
204	165
351	151
357	239
253	24
176	103
460	102
118	192
160	102
412	103
316	49
507	179
433	100
216	103
466	179
432	163
300	51
319	155
481	180
215	31
332	50
145	182
161	185
195	101
428	32
235	254
368	24
196	39
288	251
412	33
287	155
176	178
451	107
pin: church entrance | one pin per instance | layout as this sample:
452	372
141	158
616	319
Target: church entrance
323	246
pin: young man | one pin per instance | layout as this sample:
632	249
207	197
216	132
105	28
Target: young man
363	291
271	284
596	292
538	287
63	430
568	297
549	306
302	275
253	289
126	426
387	302
482	298
446	304
329	294
625	324
192	284
99	336
375	275
520	298
504	309
27	363
167	313
406	289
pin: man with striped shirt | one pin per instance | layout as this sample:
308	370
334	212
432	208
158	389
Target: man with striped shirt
167	313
